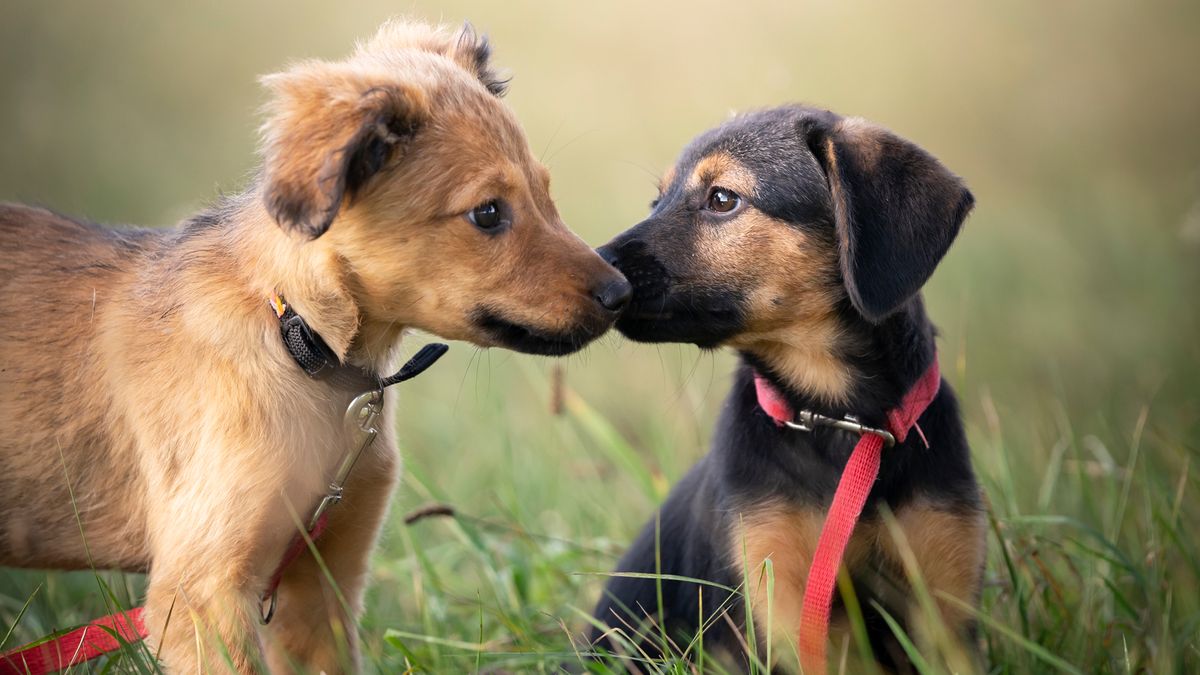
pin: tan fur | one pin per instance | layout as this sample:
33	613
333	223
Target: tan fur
792	283
144	385
667	178
865	136
949	550
721	169
787	536
947	545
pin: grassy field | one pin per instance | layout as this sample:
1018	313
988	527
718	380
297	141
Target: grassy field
1069	307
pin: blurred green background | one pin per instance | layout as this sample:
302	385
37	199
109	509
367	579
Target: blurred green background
1068	307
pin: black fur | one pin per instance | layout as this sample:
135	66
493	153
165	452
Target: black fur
523	339
899	211
705	318
223	210
903	213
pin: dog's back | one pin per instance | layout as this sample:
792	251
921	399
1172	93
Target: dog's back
66	273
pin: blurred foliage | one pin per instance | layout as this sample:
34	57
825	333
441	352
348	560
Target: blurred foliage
1068	307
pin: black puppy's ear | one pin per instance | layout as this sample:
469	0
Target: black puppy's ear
896	209
328	131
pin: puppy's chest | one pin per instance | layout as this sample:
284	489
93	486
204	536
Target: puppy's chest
334	443
787	535
773	547
759	463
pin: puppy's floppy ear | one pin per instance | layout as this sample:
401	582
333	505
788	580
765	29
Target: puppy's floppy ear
474	52
328	131
896	209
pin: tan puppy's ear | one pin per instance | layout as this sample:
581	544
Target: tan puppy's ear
896	209
474	52
328	131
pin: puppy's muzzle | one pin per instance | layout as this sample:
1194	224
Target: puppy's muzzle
648	278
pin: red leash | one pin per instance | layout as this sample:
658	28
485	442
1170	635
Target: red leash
848	501
104	635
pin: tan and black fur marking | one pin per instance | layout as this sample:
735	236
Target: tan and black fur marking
801	240
144	384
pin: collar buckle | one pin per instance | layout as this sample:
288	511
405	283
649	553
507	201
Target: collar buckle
807	420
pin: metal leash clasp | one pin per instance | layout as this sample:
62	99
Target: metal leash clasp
806	420
267	607
360	418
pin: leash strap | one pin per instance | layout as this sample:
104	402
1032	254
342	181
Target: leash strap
297	546
862	468
72	648
861	471
111	633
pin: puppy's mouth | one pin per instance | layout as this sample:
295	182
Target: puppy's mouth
529	340
676	318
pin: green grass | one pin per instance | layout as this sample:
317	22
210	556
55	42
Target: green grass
1093	560
1068	306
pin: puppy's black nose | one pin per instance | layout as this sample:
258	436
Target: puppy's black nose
614	294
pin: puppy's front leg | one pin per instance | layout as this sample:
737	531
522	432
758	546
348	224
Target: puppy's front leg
315	624
948	543
215	543
202	607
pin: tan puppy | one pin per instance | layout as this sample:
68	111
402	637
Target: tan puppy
145	389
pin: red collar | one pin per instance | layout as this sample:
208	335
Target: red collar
900	419
862	468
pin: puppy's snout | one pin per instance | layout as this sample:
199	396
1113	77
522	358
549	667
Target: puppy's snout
633	259
613	294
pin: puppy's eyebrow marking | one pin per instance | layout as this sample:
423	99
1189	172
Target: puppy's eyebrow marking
668	177
722	169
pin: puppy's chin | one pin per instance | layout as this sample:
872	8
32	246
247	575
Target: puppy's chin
678	319
531	340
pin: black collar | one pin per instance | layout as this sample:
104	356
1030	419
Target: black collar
319	362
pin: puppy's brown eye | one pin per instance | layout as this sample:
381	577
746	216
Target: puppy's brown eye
490	215
722	200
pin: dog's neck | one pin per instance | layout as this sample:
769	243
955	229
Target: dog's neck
239	237
865	371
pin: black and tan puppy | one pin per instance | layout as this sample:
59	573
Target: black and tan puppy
801	239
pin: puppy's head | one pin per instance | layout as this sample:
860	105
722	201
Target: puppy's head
767	224
405	169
